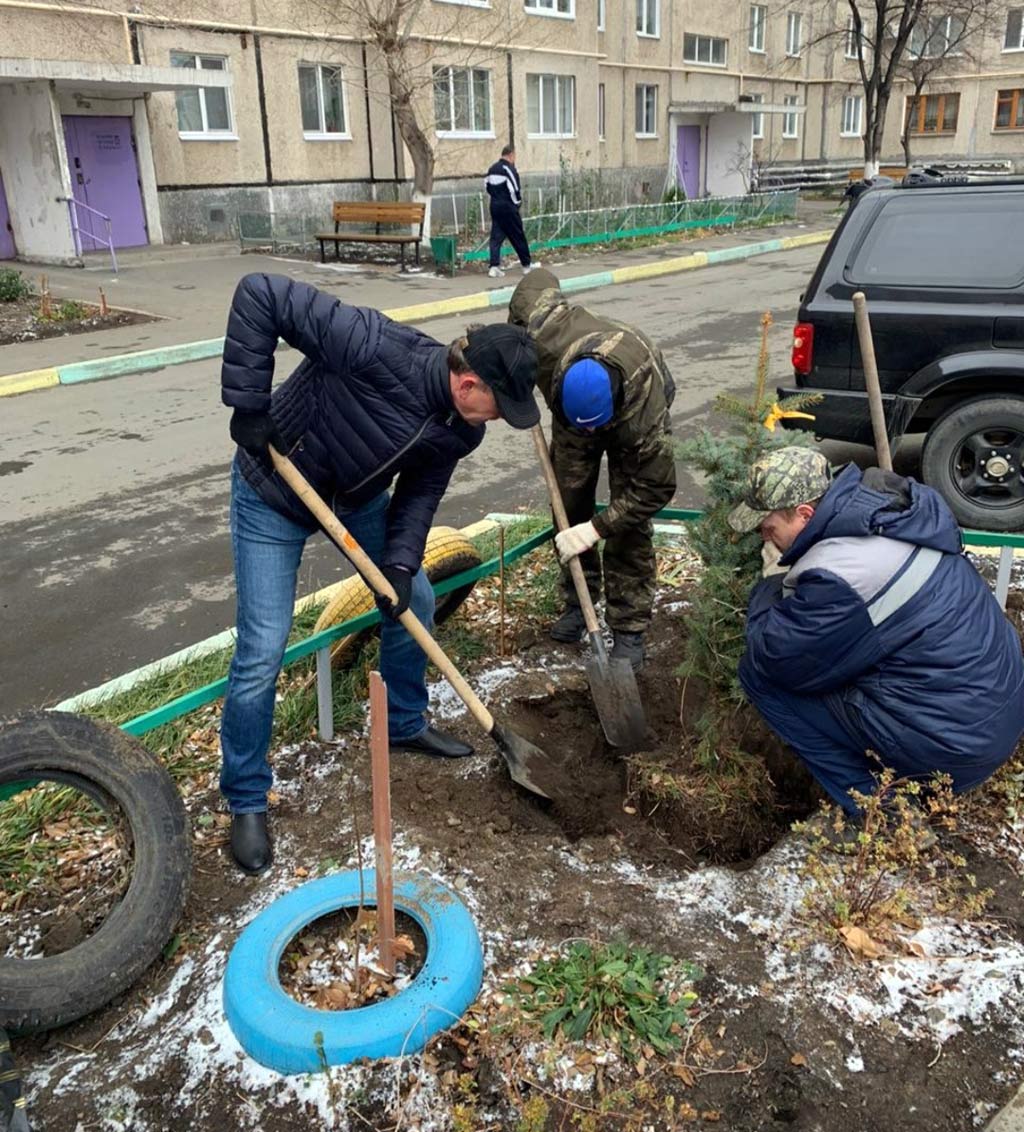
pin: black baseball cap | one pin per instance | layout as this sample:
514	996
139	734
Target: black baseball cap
505	357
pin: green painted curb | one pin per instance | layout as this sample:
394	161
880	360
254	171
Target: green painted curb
140	361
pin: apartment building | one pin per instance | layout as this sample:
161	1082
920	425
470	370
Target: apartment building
172	118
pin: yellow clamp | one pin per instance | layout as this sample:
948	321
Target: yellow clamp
777	413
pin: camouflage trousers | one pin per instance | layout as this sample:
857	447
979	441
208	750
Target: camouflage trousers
628	560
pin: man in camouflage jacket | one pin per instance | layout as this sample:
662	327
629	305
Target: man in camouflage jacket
636	437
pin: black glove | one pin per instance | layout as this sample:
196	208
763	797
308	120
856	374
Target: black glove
401	583
254	431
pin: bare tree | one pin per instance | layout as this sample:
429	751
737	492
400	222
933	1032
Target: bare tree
898	40
408	46
948	36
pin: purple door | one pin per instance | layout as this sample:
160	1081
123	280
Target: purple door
105	176
688	159
7	248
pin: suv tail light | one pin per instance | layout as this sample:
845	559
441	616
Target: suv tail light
803	348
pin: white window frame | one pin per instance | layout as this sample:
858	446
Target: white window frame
709	39
206	134
645	87
850	50
854	130
794	34
1019	45
644	9
560	82
757	123
756	28
454	133
601	14
468	3
601	122
791	122
930	31
323	134
549	8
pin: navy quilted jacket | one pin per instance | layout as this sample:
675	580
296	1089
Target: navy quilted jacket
881	609
371	401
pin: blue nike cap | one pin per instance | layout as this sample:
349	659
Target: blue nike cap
587	394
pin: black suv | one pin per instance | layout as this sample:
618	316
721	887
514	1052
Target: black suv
942	266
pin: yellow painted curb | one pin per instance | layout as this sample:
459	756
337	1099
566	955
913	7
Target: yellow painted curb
25	382
995	551
806	239
665	267
456	305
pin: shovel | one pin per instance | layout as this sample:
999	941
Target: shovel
525	761
612	682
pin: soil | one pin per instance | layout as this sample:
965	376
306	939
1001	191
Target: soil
790	1031
82	876
20	321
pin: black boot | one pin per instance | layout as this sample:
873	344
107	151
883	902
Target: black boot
250	842
436	743
629	646
570	626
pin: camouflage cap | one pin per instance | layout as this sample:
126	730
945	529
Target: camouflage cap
781	478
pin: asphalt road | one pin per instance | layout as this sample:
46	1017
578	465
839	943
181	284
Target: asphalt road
114	495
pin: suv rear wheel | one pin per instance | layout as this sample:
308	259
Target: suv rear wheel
974	457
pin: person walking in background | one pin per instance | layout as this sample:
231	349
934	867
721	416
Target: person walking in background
506	193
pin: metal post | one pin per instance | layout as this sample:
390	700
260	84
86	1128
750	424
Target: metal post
110	240
324	694
1003	575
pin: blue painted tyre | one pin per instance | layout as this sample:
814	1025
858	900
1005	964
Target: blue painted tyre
280	1033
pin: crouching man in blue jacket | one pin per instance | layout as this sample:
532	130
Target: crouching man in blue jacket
872	632
373	402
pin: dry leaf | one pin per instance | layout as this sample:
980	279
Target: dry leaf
860	944
711	1115
301	872
402	946
798	1059
915	948
721	1030
629	809
641	1066
685	1074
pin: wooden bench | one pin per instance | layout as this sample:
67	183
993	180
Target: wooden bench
895	171
375	213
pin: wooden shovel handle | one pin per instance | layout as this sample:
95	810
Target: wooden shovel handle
562	522
871	383
379	584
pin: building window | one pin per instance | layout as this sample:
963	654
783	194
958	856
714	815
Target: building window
853	106
600	14
705	49
600	112
1014	30
462	102
565	9
755	33
794	27
550	106
647	17
646	110
203	113
791	122
933	113
851	51
758	131
1010	110
934	38
322	97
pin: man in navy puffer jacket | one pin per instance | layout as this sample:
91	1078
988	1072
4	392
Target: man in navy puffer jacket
374	402
872	631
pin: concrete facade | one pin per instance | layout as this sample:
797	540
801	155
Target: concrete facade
561	78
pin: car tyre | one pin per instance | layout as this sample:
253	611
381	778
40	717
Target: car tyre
950	462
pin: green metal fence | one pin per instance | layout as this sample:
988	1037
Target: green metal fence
629	222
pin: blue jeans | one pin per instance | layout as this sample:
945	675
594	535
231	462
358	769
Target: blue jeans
267	549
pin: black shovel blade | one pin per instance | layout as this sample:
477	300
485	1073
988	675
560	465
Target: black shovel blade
527	764
617	699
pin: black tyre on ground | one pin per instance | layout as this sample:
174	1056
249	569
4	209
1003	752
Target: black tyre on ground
120	775
974	457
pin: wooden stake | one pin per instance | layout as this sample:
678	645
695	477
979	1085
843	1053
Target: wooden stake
381	773
104	309
867	356
501	591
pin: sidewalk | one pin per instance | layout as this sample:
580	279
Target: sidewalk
190	288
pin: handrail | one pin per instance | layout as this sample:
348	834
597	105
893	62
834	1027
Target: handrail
76	228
